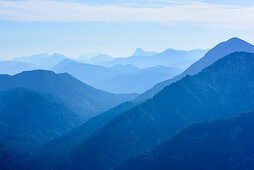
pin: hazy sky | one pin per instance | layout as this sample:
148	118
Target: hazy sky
118	27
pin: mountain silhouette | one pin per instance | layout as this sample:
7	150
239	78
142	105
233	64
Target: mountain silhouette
223	89
219	51
79	97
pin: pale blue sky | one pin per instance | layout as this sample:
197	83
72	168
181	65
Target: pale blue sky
118	27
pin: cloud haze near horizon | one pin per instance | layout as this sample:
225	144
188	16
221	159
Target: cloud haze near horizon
218	17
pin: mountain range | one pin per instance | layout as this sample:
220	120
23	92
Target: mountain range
38	106
134	74
169	58
79	97
223	89
55	121
41	61
205	98
118	78
219	51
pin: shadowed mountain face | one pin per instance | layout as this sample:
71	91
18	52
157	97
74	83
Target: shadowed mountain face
28	119
118	78
67	142
60	148
219	51
79	97
223	144
223	89
9	157
25	109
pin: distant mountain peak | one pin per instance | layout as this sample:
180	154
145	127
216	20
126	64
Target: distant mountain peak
138	51
235	40
42	60
219	51
169	50
141	52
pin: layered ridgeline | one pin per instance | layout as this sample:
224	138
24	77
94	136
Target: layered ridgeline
28	63
141	52
104	59
118	78
77	96
59	148
223	89
41	61
169	58
14	67
67	142
223	144
219	51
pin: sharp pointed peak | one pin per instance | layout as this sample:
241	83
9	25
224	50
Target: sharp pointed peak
140	51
